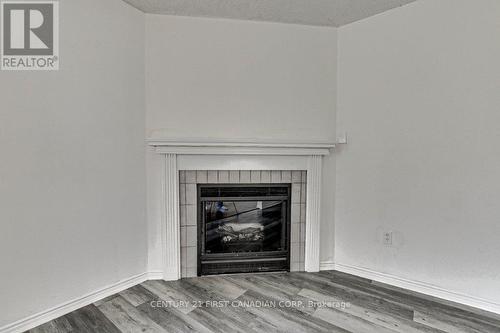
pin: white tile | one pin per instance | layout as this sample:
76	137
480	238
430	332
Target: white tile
182	194
303	193
244	176
212	177
295	218
183	236
294	252
182	213
191	236
265	176
296	188
191	272
303	213
201	177
183	256
296	176
275	176
192	255
286	176
190	177
302	252
191	218
294	267
295	233
182	177
255	176
223	177
234	176
191	194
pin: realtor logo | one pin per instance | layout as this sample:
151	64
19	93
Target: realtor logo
30	35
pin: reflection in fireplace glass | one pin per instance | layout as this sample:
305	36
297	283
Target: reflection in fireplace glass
244	226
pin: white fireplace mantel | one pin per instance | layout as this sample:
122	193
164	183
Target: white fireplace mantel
230	155
247	147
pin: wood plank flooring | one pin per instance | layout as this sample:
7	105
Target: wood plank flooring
328	301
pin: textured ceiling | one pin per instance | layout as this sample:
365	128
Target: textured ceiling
310	12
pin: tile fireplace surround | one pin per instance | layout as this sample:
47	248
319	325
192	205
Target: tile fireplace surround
187	163
188	205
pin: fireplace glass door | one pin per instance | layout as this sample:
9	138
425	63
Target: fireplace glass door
243	228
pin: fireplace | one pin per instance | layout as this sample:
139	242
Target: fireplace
182	164
243	228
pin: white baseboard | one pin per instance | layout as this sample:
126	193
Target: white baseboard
326	266
155	275
65	308
417	286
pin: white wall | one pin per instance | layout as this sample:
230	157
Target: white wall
72	174
419	93
227	79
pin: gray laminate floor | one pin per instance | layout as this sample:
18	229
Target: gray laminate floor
272	302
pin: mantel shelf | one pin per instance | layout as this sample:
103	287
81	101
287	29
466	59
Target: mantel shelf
247	147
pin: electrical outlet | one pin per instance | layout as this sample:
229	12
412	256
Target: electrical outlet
387	238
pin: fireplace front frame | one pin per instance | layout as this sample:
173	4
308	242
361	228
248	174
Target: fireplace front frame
164	254
251	257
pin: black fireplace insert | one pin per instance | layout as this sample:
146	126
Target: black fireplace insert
243	228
